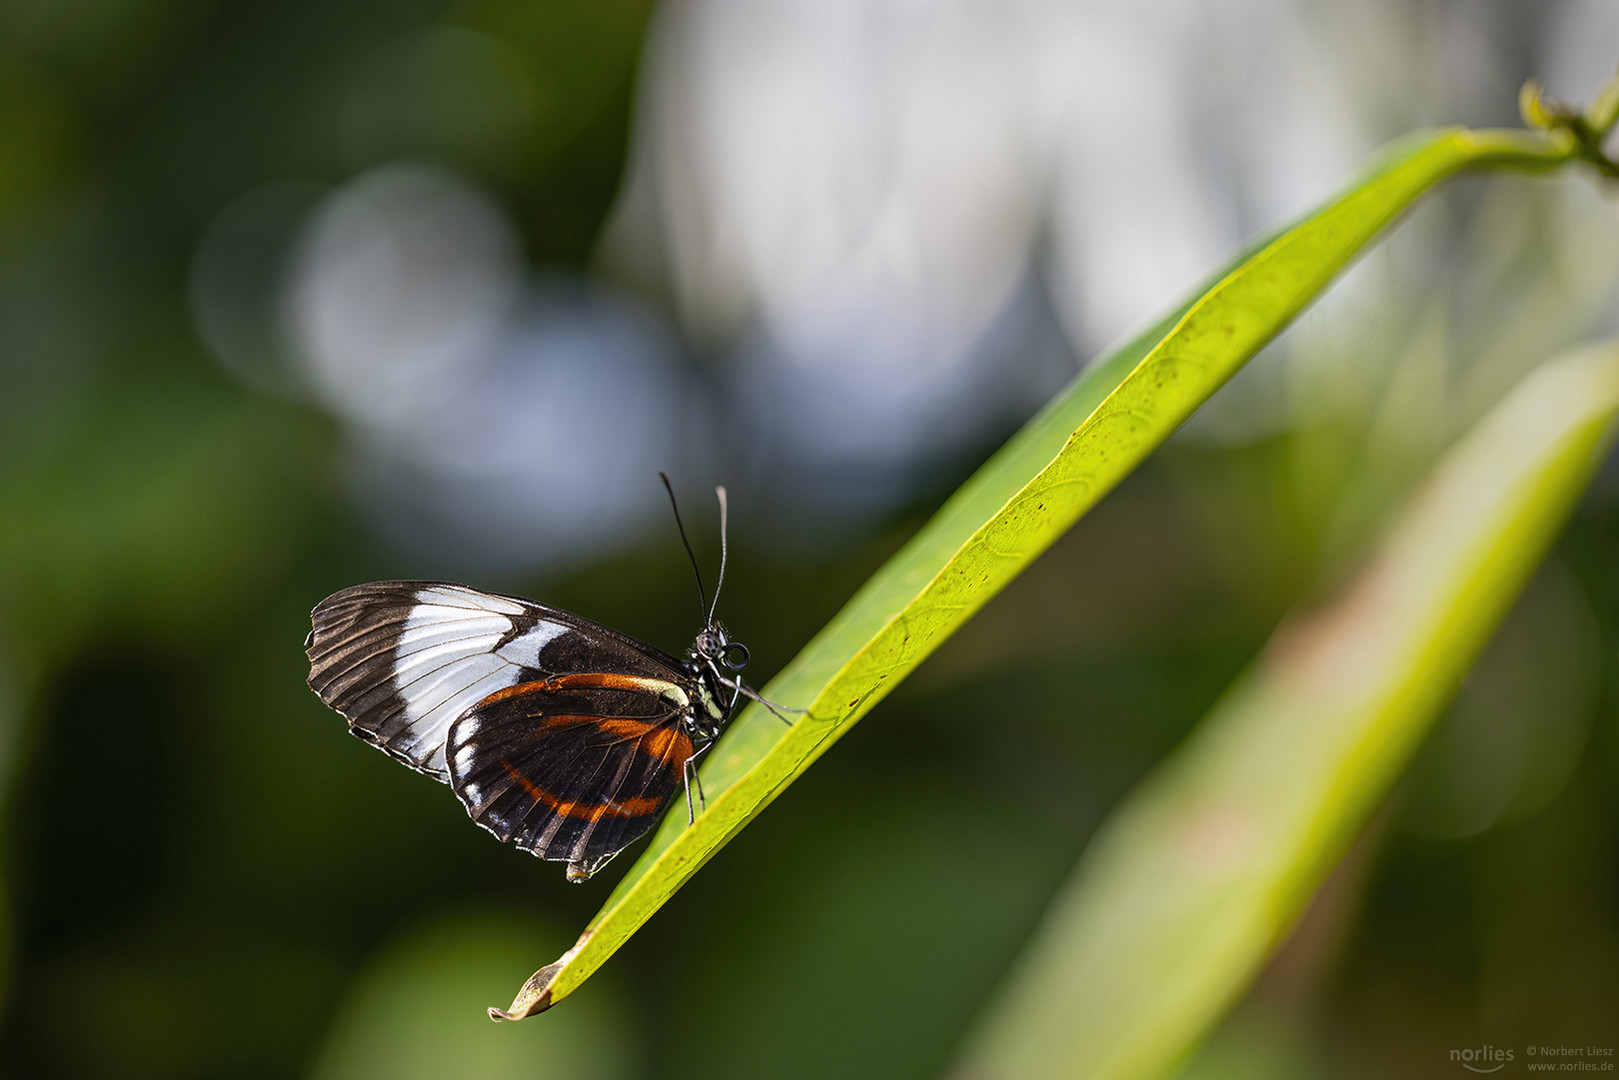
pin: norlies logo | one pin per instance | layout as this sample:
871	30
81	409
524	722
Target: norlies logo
1482	1059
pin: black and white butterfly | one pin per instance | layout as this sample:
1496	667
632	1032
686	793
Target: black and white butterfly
557	733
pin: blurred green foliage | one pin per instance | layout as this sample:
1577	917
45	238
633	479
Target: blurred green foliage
415	1011
1203	870
203	876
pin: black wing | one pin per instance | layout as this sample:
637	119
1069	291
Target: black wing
572	767
402	660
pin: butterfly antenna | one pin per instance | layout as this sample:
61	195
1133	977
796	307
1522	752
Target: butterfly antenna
702	596
719	491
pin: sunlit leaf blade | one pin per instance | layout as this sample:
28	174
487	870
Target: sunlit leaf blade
1054	470
1198	875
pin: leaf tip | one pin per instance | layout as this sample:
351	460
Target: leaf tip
535	995
497	1014
1532	106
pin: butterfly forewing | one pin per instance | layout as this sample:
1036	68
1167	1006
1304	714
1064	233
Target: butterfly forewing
572	767
402	660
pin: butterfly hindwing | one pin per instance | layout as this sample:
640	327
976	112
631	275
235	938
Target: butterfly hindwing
403	660
574	767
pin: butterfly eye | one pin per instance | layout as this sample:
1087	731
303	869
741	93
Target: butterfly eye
735	656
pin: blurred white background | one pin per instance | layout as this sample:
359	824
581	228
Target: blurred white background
859	242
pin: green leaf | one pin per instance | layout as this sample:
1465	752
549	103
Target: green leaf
1198	875
1054	470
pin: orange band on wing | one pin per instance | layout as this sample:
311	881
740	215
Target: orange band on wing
661	739
626	727
636	807
585	679
670	744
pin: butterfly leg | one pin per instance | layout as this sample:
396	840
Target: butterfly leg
687	771
688	774
701	797
776	710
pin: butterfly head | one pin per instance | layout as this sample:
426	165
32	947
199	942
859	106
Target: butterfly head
714	646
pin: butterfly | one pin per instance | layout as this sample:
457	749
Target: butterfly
558	734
